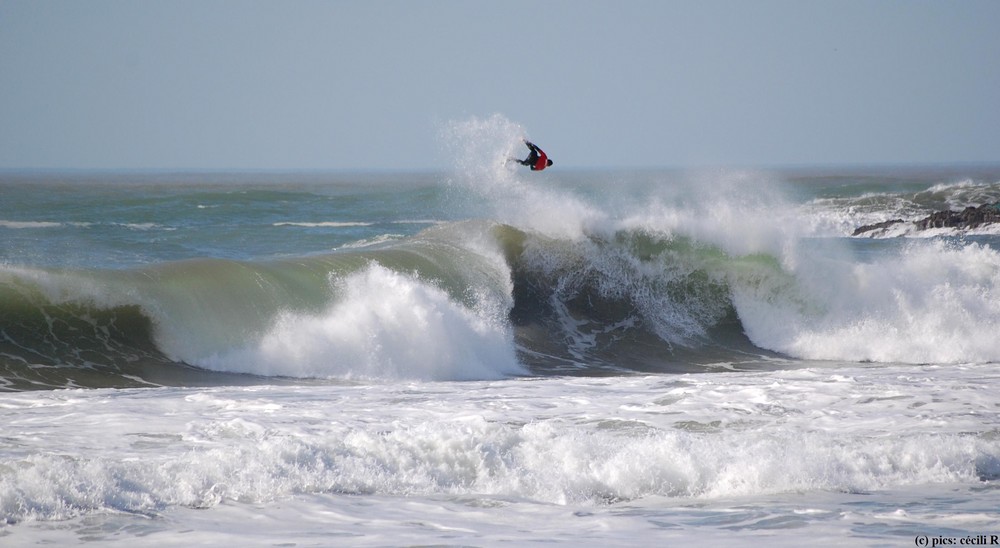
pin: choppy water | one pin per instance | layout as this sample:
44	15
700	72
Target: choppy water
489	355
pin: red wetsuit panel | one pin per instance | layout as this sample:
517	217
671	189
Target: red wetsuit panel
542	162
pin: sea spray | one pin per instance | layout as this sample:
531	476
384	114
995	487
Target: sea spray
482	149
741	212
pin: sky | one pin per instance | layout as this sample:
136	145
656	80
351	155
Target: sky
369	85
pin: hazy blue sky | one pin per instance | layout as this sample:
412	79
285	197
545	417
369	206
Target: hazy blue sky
368	84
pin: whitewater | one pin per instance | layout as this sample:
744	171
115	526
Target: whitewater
487	355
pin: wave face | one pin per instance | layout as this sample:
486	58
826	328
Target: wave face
487	272
425	308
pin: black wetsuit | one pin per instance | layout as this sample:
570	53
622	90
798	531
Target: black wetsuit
537	160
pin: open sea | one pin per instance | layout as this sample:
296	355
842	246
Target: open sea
489	356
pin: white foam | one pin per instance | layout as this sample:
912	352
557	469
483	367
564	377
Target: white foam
21	225
418	222
324	224
840	216
793	436
28	224
960	194
368	242
927	302
384	325
932	303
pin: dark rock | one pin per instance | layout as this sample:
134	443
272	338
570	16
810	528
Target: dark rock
877	226
968	218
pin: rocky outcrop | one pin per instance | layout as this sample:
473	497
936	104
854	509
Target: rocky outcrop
968	218
877	226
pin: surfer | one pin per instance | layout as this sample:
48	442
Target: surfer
537	160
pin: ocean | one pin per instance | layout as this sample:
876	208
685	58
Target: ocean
486	355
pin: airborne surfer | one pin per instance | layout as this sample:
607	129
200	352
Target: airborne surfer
537	160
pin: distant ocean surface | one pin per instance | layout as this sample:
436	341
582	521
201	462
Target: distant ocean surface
489	356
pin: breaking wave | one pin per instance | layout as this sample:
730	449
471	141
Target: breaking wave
567	274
